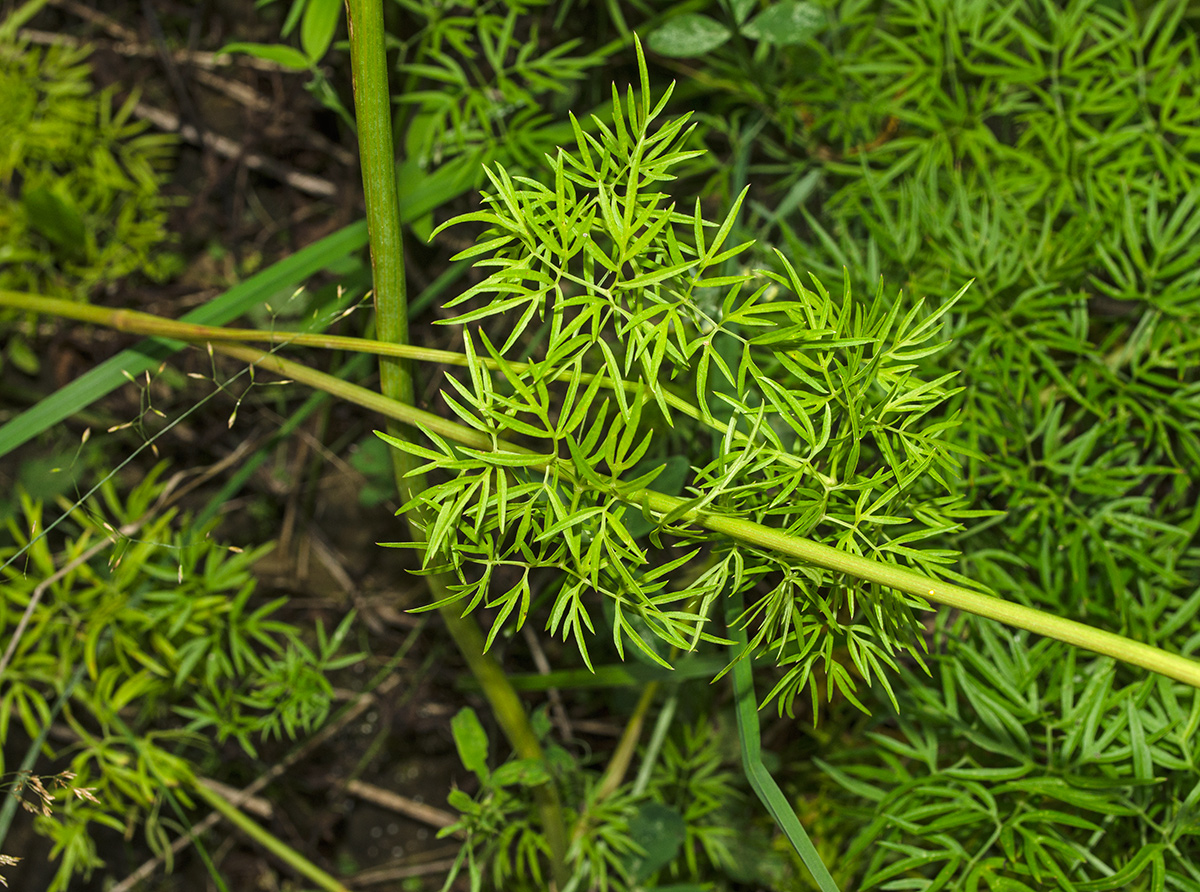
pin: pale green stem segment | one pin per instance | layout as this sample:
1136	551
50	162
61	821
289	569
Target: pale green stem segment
1108	644
1052	626
622	757
1152	658
372	105
137	322
268	841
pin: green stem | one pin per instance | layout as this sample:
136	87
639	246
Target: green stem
622	757
268	841
1136	653
911	582
136	322
372	103
372	106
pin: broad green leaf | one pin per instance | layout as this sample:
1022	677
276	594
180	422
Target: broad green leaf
788	23
318	26
661	832
691	34
471	741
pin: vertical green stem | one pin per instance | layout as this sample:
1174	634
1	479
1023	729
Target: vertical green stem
372	103
372	106
622	757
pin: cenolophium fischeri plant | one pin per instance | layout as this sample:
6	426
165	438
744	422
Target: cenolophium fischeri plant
565	490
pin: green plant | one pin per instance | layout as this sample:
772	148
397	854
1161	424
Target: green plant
475	84
124	621
786	23
80	182
671	821
1042	148
1028	766
647	430
631	291
1103	506
318	22
42	801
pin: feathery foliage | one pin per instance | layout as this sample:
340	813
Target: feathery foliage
818	411
145	618
1035	434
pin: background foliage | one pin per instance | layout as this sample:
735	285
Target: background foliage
80	183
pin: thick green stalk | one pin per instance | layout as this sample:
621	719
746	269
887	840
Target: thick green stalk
372	105
872	570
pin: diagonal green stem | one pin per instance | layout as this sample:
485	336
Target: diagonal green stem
911	582
268	840
137	322
372	101
758	535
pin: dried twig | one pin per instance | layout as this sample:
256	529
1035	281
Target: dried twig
227	148
410	808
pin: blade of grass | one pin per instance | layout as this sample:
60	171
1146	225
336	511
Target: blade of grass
268	840
763	784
